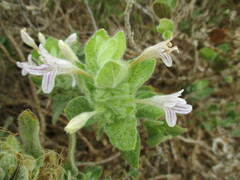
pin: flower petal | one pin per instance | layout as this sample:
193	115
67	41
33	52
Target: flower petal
48	81
181	101
21	64
182	109
54	61
38	70
24	72
171	117
166	58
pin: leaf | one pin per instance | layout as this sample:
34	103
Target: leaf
123	133
57	108
167	35
92	47
106	51
121	45
159	131
156	133
51	46
93	172
35	56
148	111
175	131
133	173
111	74
165	25
140	73
77	106
29	133
37	80
132	156
23	173
162	8
173	4
208	53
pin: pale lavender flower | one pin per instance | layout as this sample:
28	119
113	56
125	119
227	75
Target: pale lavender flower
162	50
52	66
171	104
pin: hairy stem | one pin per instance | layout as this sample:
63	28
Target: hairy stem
71	151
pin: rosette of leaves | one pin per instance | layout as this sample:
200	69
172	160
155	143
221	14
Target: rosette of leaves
111	90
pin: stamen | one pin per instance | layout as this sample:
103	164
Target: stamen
169	44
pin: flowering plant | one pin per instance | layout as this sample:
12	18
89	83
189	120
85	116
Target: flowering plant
110	90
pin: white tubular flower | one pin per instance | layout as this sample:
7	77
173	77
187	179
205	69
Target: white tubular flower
71	39
171	104
67	51
78	122
52	66
41	38
24	65
162	50
27	39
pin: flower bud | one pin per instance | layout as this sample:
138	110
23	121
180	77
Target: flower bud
27	39
72	39
41	38
78	122
67	51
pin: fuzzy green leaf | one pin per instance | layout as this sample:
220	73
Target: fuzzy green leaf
92	48
22	173
8	162
78	106
167	35
51	46
111	75
140	73
132	156
159	131
29	133
57	108
123	133
155	133
93	172
148	111
121	45
165	25
106	51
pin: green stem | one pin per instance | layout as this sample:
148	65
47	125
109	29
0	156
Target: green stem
71	151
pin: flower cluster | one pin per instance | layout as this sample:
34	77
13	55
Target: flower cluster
50	66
